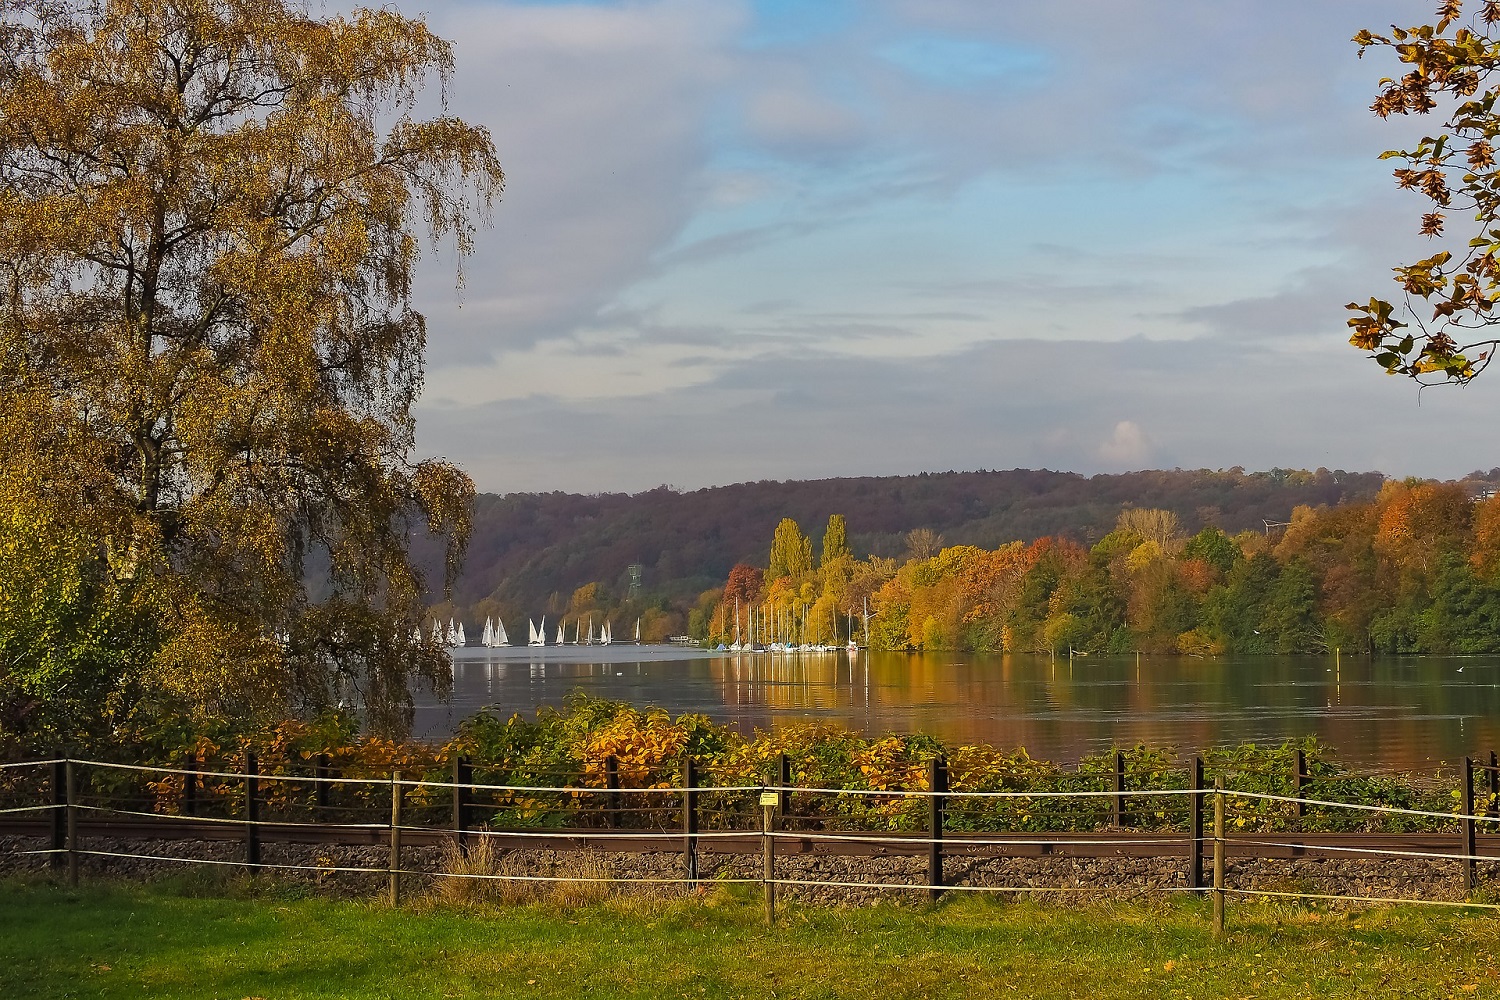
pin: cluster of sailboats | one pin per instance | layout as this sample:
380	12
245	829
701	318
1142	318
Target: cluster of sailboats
537	634
777	631
453	635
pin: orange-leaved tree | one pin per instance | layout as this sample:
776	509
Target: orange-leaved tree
1451	295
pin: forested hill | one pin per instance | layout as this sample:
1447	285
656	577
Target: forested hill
530	551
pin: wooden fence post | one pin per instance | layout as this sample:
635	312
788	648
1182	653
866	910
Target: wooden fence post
1467	808
394	866
690	820
612	797
252	808
1195	825
59	811
937	783
1218	857
463	778
1299	779
1117	804
70	778
190	785
768	853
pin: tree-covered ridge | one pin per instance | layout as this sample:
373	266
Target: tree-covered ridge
1416	569
529	552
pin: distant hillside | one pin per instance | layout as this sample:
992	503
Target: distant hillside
530	551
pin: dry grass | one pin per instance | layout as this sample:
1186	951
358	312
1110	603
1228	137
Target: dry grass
488	876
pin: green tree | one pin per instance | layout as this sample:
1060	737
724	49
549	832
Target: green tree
1213	547
206	253
1234	610
791	551
1289	618
835	540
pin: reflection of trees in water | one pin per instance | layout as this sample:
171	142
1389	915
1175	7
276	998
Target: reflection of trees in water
1396	713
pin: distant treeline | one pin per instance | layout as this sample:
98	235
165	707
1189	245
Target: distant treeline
531	553
1415	569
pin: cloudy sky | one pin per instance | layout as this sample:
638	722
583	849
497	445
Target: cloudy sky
790	239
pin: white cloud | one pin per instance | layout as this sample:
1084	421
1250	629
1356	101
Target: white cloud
1127	447
719	261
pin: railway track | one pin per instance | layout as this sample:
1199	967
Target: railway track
1092	844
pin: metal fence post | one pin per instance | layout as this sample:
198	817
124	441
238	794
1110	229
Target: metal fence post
784	779
190	785
252	809
70	778
59	811
1299	779
937	784
1467	808
612	797
1117	810
320	787
1195	825
1218	857
463	777
690	820
1494	803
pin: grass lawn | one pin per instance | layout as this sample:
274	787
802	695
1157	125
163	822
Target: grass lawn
236	940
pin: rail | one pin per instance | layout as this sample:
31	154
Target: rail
76	827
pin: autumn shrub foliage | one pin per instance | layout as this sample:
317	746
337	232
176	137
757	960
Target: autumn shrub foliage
1415	570
553	771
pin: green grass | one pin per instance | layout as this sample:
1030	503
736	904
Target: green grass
236	940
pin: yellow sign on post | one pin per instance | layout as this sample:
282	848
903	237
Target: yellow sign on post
769	799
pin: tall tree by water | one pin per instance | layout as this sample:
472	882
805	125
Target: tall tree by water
208	354
791	551
835	539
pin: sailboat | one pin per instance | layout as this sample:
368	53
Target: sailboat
487	639
560	633
500	637
437	632
462	640
535	638
604	637
590	640
637	631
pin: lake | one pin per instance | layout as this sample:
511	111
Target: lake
1390	712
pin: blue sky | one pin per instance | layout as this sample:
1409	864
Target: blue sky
774	240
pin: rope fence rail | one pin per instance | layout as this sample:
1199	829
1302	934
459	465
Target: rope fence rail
426	812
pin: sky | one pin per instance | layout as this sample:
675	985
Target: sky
794	239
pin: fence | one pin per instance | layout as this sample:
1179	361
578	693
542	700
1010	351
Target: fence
77	805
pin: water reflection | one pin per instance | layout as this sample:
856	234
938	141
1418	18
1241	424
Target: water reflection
1391	712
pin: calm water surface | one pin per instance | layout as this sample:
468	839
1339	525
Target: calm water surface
1391	712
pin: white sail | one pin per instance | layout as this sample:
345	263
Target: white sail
591	632
501	638
638	631
560	632
535	636
606	637
487	638
437	632
463	640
